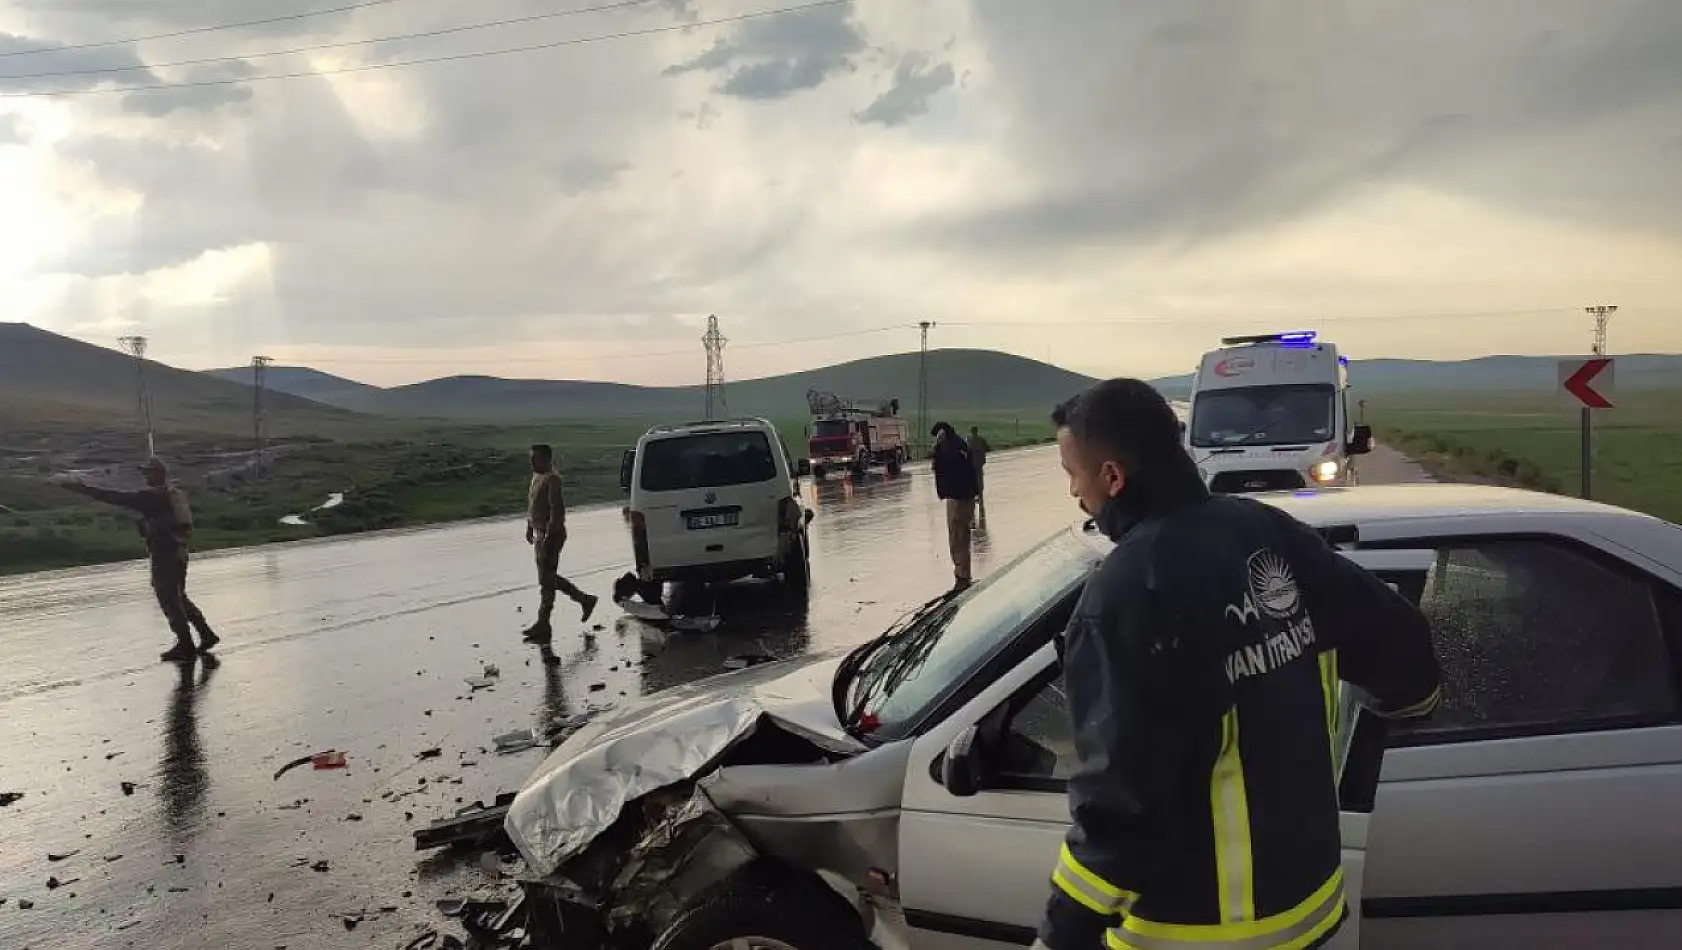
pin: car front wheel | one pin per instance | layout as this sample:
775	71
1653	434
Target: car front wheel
755	912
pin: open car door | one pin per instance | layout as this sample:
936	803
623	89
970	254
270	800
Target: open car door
977	844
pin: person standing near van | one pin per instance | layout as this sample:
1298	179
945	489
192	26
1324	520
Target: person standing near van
166	521
978	449
546	532
955	483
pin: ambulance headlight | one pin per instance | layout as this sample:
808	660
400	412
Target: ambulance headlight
1326	470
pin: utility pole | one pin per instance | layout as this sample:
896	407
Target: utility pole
259	412
1602	314
923	387
135	346
714	341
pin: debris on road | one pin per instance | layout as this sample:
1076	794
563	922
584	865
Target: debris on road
62	857
477	824
433	940
321	867
520	740
431	753
320	761
476	683
9	798
129	787
657	614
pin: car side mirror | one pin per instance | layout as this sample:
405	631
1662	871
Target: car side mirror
961	767
803	468
1361	442
627	463
809	515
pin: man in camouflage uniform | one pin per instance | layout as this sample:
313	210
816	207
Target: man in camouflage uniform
166	521
546	532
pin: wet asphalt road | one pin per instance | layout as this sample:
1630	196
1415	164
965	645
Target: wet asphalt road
364	645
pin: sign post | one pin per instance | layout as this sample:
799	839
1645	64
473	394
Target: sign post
1587	384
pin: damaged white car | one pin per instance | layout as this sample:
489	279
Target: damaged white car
909	794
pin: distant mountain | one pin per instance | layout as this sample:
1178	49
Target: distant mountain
308	383
47	375
958	379
1484	374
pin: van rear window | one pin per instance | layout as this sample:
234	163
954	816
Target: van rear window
710	460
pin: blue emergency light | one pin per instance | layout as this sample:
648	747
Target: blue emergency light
1296	338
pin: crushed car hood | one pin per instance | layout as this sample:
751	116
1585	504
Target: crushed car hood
677	734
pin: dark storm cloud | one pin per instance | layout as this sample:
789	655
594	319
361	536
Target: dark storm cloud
1189	120
56	68
202	89
916	80
777	57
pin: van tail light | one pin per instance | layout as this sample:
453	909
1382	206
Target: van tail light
639	539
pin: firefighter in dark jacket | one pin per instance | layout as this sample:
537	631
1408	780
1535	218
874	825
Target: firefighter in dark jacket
1201	666
166	521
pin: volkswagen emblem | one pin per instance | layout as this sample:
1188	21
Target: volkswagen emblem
710	497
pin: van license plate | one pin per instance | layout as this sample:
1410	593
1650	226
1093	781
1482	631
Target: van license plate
718	519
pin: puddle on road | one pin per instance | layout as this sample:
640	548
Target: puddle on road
297	521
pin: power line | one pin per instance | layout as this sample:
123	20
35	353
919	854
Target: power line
427	60
1294	320
629	355
395	38
135	346
259	411
923	387
714	341
1602	315
200	29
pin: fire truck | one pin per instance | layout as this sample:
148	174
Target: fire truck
855	434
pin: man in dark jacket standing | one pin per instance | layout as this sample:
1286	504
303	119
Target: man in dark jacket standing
978	449
1202	665
166	522
954	482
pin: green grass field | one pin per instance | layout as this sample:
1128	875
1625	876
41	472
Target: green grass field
393	476
1534	442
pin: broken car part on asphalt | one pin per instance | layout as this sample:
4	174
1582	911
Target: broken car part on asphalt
477	824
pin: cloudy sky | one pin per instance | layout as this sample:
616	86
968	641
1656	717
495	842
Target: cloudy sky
1105	185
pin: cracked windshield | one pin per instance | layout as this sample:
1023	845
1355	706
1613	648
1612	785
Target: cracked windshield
580	473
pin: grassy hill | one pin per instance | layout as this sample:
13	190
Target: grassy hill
44	376
309	383
980	380
1514	374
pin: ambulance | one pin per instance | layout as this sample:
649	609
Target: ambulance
1271	413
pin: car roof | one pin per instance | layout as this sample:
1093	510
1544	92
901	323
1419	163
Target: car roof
1429	509
676	429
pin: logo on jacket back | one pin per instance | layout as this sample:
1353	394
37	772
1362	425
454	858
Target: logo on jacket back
709	498
1270	593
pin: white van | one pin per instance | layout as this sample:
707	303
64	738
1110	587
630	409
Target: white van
1271	412
715	501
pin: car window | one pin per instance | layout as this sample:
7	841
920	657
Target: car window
1039	739
707	460
1262	415
1539	637
908	678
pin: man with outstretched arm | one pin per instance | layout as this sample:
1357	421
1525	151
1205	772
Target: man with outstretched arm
166	522
1202	664
546	532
